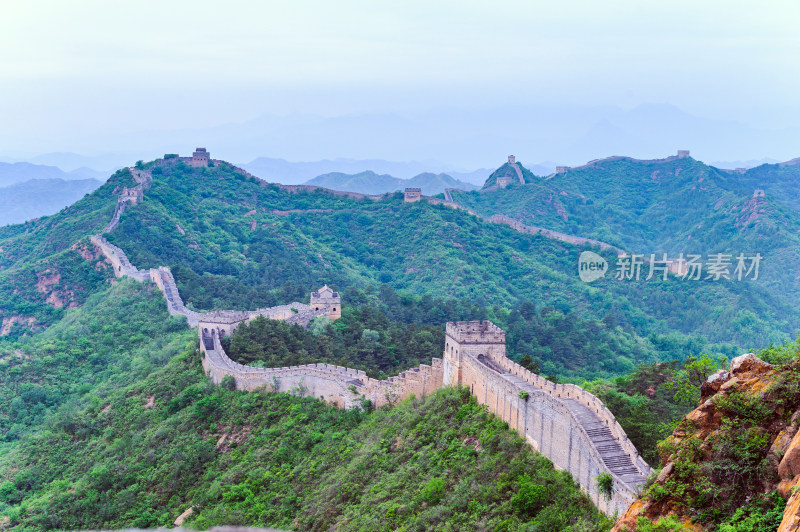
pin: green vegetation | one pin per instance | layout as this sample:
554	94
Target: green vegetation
107	420
144	453
650	401
681	206
605	485
234	242
120	335
723	480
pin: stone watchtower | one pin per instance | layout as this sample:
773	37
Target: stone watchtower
512	159
473	338
132	195
683	154
503	182
412	194
324	298
200	157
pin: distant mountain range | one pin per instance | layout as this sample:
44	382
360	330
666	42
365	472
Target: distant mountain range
292	173
11	173
371	183
40	197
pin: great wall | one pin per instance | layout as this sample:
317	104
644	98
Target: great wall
562	421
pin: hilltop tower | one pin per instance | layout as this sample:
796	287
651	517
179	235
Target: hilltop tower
481	339
326	298
512	159
683	154
132	195
412	194
200	157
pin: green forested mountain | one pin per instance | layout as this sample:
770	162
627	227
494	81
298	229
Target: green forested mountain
107	421
236	242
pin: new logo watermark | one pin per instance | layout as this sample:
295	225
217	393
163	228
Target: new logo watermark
691	267
591	266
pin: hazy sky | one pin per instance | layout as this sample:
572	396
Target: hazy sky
79	71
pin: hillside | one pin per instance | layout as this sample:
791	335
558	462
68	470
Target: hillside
732	463
236	242
293	173
143	455
78	348
11	173
673	206
371	183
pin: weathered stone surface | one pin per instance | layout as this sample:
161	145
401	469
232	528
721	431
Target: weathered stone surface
791	515
790	463
713	383
181	518
748	363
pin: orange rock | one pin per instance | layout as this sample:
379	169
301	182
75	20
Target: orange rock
790	464
628	520
791	515
785	487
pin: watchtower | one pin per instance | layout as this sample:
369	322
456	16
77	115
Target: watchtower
326	298
503	182
133	195
200	157
512	159
562	169
683	154
412	194
470	338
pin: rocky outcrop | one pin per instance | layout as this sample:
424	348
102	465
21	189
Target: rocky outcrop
751	394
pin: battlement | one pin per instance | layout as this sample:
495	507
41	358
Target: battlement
412	194
503	182
134	194
325	299
475	332
200	157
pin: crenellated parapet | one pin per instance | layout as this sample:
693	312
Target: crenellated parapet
475	332
566	423
570	426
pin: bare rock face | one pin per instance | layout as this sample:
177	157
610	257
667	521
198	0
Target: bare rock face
712	385
790	463
791	515
749	375
749	363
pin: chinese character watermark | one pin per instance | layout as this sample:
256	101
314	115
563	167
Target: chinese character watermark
691	267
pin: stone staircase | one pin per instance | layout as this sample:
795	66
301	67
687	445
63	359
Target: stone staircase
612	453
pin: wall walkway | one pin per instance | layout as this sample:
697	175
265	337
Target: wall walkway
562	421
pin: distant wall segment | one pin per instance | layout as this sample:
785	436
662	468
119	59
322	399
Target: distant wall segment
562	421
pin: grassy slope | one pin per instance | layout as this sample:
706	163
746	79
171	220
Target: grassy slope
271	459
231	256
51	246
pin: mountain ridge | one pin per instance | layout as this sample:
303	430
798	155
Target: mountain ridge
371	183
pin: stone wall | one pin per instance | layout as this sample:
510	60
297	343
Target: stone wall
562	421
338	385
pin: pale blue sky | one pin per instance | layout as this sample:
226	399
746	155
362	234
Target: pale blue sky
86	75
